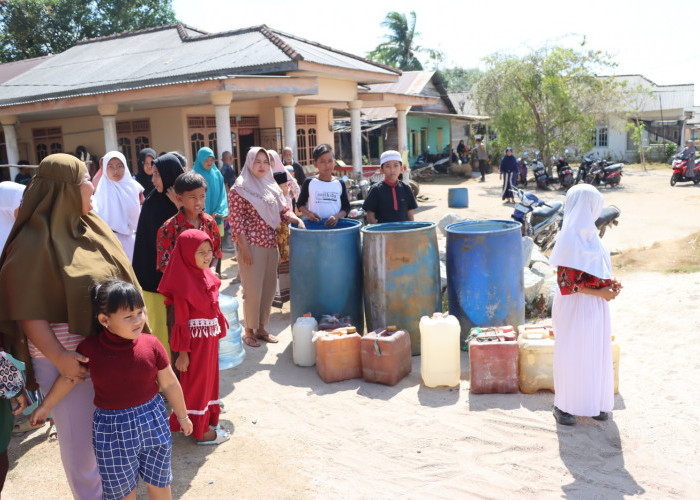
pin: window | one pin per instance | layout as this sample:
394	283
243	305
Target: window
47	141
244	132
306	137
132	137
602	137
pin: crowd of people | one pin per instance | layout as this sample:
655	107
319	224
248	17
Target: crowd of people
111	281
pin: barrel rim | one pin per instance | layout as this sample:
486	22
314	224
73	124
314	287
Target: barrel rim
386	227
455	226
354	226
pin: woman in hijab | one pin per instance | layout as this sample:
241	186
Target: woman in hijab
509	172
583	363
10	199
257	208
57	249
159	206
117	200
216	204
293	187
143	176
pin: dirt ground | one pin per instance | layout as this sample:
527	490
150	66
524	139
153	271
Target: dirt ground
296	437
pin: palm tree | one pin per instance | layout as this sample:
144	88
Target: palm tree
399	49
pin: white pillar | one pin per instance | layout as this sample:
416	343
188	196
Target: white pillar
8	126
108	112
356	137
222	110
288	103
402	133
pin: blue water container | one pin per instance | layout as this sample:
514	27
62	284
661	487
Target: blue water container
325	271
401	266
485	274
458	198
231	352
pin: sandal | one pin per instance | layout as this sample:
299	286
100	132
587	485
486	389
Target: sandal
250	340
25	426
267	337
221	437
53	433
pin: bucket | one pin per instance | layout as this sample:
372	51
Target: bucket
458	198
325	271
401	267
484	274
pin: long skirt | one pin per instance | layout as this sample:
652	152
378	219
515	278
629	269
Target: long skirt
508	183
583	363
157	317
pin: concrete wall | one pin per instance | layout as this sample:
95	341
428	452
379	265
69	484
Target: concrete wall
418	123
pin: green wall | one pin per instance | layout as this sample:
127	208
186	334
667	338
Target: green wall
415	124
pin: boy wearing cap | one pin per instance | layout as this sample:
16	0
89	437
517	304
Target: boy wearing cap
390	200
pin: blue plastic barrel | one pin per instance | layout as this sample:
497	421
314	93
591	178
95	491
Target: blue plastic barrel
231	352
458	198
485	274
325	271
401	267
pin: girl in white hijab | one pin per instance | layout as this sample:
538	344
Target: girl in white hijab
583	364
10	198
117	200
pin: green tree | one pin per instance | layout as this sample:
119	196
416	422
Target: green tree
637	99
33	28
549	99
399	48
459	79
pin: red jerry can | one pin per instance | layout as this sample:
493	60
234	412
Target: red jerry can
386	355
493	361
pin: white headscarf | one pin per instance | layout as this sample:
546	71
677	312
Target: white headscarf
292	184
578	245
264	194
117	203
10	198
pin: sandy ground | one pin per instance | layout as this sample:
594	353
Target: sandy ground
296	437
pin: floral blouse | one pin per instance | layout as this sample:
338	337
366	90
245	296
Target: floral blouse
244	219
174	226
572	280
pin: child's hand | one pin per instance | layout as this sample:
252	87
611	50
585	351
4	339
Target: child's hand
332	221
186	426
183	361
313	216
39	416
609	293
20	401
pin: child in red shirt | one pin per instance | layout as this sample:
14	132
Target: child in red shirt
129	428
192	288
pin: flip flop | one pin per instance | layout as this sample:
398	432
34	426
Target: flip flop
250	340
221	437
267	338
25	426
53	433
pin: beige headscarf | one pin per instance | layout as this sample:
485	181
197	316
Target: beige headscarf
54	254
264	194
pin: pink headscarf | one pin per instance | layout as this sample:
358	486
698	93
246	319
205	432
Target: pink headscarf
264	194
292	184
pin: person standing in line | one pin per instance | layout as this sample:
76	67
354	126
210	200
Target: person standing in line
509	173
229	179
390	200
145	164
288	159
583	360
483	158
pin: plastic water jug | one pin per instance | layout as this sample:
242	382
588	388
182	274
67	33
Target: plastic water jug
303	351
338	354
386	355
439	347
493	361
536	358
231	352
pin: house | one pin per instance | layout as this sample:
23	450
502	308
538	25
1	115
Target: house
428	123
175	87
664	110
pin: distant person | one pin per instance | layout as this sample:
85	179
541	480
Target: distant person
390	200
10	199
583	359
24	175
462	151
509	173
483	158
324	198
145	164
288	159
689	154
229	178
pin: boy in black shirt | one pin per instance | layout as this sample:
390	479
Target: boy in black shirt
390	200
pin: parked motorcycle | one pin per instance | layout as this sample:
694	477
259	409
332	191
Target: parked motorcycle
584	169
565	173
522	164
538	219
542	179
679	171
603	174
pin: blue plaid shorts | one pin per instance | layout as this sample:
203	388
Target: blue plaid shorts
132	442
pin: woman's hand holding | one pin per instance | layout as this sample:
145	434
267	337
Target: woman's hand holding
69	366
21	401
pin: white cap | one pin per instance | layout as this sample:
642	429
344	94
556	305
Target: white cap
389	156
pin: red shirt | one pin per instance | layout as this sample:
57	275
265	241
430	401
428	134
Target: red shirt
171	229
572	280
244	219
124	372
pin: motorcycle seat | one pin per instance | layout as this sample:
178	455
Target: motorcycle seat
609	214
614	167
546	212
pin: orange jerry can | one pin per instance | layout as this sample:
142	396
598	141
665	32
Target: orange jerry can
386	356
338	354
493	361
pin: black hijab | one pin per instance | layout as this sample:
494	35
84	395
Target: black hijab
141	176
156	209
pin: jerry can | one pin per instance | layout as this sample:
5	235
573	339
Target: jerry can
440	353
493	361
338	354
386	355
536	358
303	350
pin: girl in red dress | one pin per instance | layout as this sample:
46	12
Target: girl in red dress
190	285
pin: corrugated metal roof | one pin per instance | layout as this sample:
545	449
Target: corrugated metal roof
167	55
12	69
410	82
665	97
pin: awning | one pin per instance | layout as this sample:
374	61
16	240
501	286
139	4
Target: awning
344	126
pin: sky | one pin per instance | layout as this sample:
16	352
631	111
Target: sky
658	39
